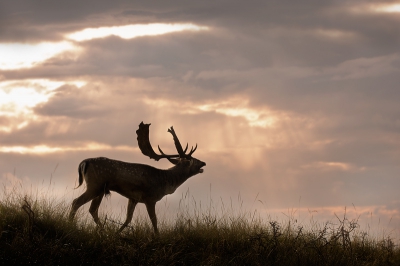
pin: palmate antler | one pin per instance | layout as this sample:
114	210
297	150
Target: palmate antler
147	149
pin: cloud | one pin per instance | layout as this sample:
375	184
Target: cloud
19	97
131	31
366	67
72	102
395	8
233	107
332	166
377	7
44	149
17	56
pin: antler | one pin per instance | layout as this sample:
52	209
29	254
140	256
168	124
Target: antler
146	148
182	153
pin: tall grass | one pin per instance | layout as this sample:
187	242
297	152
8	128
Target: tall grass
35	229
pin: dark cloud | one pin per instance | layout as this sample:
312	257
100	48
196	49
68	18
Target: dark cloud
71	102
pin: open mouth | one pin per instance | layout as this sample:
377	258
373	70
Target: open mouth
202	165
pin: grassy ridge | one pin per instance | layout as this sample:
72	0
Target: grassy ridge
35	230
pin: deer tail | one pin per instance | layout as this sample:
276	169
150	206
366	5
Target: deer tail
107	191
81	172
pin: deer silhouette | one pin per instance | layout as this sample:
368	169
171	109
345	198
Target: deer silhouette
139	183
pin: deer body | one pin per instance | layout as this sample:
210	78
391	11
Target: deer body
139	183
135	181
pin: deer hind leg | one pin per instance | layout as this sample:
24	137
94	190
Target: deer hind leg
87	196
151	209
94	209
129	214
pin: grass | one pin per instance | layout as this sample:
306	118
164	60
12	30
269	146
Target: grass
35	230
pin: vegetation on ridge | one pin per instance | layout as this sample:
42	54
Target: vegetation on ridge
36	230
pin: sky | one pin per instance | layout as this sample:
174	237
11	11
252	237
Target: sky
294	105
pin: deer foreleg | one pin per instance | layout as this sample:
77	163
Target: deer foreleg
151	209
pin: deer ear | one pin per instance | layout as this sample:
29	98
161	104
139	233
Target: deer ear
186	162
173	161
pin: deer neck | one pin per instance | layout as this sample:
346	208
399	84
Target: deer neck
177	175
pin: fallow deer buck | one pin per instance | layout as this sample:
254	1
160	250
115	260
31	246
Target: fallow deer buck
138	182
